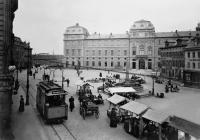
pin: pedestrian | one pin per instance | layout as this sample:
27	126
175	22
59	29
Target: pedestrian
67	82
21	106
166	89
71	103
34	75
171	87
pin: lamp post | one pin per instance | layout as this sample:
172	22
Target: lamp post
154	74
62	79
27	84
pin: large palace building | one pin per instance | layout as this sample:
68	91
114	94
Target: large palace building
139	47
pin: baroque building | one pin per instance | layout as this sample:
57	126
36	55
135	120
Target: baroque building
7	9
139	48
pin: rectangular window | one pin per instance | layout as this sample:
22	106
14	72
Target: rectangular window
188	54
105	64
79	52
111	64
199	65
141	52
124	64
112	52
193	65
99	63
99	52
198	54
67	51
118	52
106	52
118	64
193	54
93	63
73	52
188	64
93	52
87	63
125	52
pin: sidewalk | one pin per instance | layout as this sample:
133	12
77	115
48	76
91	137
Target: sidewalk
26	125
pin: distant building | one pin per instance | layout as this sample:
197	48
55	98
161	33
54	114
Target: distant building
192	62
138	47
46	59
172	59
20	53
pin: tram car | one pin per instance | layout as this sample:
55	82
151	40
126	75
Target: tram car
50	102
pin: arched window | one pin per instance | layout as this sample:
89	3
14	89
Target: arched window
141	50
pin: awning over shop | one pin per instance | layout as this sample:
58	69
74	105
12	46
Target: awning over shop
135	107
116	99
113	90
185	126
155	116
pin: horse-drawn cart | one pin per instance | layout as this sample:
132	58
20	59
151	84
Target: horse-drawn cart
88	108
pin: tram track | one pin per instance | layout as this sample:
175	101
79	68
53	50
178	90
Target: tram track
58	128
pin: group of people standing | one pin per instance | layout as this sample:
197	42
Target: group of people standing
171	87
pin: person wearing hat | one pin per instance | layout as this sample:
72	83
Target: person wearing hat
21	106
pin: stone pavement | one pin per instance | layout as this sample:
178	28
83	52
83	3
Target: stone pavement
26	125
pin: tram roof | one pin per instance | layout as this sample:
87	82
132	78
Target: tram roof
50	86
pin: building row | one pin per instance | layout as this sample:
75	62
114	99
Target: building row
138	48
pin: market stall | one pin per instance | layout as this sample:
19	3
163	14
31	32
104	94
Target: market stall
134	125
154	124
128	92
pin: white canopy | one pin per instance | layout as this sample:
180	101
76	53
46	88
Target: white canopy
155	116
116	99
135	107
113	90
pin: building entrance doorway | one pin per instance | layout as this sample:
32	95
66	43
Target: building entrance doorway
141	64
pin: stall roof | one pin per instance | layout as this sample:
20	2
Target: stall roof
116	99
113	90
185	126
135	107
155	116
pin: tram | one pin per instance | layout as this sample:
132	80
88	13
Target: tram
50	101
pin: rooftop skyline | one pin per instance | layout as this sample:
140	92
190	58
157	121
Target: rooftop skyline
43	23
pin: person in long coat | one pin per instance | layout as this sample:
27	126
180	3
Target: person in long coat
71	103
113	118
21	106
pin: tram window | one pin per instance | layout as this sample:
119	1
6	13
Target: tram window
55	100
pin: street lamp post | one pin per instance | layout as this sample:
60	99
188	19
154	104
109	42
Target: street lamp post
27	84
62	79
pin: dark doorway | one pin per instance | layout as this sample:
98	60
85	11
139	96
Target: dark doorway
141	64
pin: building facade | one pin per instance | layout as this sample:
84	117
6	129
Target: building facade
21	53
138	48
192	62
172	59
47	59
7	9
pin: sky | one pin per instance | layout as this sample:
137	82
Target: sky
43	22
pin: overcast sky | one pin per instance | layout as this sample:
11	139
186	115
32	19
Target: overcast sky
43	22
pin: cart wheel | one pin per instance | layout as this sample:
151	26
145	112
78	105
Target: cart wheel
97	114
83	114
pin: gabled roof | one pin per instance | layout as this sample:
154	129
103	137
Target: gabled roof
155	116
135	107
116	99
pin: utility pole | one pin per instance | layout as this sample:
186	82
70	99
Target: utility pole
27	84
